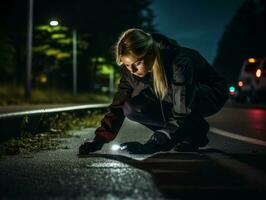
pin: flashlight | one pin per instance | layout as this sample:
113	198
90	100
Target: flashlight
115	147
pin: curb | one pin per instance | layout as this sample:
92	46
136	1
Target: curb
11	123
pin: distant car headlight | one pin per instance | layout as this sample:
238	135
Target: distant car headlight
258	73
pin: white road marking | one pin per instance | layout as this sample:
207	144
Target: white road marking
51	110
238	137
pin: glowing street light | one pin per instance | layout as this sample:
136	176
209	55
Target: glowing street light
29	50
54	23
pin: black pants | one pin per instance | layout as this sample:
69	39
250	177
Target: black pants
206	102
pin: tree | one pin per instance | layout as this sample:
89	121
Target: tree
99	23
244	37
7	63
13	38
53	53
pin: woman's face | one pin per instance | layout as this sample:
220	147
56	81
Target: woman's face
135	66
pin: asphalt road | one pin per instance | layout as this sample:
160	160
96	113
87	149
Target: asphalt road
232	165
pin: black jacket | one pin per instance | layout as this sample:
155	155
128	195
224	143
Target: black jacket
184	68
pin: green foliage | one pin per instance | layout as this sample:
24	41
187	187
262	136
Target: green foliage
7	58
58	36
106	69
14	95
60	123
53	50
51	29
52	41
57	53
98	24
24	125
30	143
65	41
56	39
58	126
41	48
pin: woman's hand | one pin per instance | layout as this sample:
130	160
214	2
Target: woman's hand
158	142
133	148
90	146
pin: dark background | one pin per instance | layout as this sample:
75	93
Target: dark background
225	32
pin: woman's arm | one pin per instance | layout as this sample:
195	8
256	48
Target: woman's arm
113	119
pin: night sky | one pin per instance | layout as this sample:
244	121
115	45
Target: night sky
198	24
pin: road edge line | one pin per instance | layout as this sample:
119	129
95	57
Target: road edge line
238	137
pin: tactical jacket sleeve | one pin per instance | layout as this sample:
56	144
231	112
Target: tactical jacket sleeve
113	119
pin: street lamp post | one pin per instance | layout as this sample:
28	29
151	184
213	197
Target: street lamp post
74	56
29	51
74	62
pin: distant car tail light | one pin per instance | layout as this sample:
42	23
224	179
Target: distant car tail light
258	73
240	83
251	60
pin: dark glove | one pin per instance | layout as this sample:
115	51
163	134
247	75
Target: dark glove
158	142
90	146
133	147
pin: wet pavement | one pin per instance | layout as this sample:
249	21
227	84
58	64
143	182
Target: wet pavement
109	174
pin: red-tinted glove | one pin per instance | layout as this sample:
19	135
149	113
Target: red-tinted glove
103	134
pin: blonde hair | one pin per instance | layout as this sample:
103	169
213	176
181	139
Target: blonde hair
139	44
